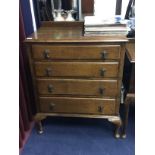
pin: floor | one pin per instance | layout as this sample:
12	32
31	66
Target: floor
76	136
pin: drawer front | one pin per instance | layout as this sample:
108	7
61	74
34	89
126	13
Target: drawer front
76	69
45	52
77	87
77	105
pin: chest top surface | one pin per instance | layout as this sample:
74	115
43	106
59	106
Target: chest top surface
67	32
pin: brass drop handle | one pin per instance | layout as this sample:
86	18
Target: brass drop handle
104	55
101	91
46	54
51	106
100	108
50	88
48	71
102	72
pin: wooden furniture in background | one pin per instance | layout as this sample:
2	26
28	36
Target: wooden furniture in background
76	76
130	96
87	7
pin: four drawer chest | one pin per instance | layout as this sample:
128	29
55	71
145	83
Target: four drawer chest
74	75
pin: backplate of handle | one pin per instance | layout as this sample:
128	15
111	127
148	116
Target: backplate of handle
102	72
50	88
100	108
48	71
51	106
101	91
104	54
46	54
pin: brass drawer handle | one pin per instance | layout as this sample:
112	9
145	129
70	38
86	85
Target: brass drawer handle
46	54
48	71
50	88
101	90
102	72
104	55
51	106
100	108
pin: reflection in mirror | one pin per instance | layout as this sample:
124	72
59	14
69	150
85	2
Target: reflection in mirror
57	10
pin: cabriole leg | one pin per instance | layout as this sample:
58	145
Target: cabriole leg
118	123
39	127
38	118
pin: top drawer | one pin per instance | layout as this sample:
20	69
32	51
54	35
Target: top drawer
49	52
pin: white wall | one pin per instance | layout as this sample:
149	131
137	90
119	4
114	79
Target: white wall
106	8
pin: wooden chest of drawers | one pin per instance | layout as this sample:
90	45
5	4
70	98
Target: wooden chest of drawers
75	76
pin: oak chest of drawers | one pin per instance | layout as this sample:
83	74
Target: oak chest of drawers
73	75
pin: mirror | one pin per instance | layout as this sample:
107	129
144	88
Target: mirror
58	10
